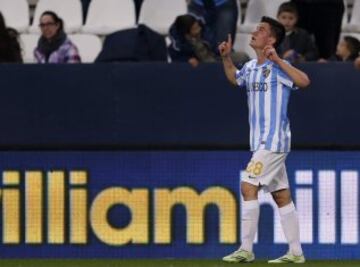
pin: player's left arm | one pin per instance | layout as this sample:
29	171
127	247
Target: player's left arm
299	78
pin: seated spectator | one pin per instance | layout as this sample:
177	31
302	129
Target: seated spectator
54	46
193	42
10	51
220	16
347	50
298	45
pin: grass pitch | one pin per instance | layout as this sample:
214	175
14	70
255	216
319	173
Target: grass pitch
157	263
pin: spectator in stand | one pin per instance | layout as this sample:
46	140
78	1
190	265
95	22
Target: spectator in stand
193	42
54	46
10	51
220	16
347	50
322	18
298	45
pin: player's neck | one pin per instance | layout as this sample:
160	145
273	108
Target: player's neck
260	57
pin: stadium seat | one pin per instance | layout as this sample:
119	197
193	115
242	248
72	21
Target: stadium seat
241	43
69	10
345	20
255	10
108	16
354	23
239	22
16	14
353	34
28	43
160	14
89	46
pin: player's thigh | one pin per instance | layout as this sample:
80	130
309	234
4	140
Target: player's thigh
282	197
249	191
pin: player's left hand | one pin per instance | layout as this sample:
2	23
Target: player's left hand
271	54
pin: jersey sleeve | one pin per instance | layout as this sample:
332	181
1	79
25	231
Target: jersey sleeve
285	79
240	76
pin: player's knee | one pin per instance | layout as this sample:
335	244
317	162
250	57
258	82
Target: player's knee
282	197
249	191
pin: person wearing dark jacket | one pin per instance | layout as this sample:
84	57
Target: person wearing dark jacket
298	45
322	18
220	16
191	41
10	51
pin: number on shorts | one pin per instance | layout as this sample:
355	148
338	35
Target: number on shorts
255	167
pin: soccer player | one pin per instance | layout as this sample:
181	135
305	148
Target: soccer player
268	81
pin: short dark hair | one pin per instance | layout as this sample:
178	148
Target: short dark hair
288	7
353	45
277	29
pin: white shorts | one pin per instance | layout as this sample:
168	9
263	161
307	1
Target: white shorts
267	170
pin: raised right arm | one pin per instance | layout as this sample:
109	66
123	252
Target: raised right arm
229	67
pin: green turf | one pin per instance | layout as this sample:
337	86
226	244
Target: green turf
157	263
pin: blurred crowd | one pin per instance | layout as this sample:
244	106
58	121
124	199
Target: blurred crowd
313	33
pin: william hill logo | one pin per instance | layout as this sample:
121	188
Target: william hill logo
54	208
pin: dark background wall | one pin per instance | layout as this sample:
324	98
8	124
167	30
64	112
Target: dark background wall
173	106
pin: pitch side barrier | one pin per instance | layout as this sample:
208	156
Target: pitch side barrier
163	106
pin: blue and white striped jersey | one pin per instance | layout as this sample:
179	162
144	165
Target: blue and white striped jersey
268	90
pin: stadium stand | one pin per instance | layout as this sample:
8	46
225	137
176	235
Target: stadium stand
160	14
354	23
16	14
69	10
28	43
345	21
89	46
239	22
241	43
108	16
255	10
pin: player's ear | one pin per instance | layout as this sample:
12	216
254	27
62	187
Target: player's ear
271	41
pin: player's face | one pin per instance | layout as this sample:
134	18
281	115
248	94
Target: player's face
287	19
262	37
48	26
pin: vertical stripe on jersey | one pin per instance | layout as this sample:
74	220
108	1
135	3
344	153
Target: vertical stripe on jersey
287	138
257	110
252	107
283	116
273	111
286	129
277	142
262	106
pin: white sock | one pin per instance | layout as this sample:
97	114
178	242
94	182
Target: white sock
290	225
249	224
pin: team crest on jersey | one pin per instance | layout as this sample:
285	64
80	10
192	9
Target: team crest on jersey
266	72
